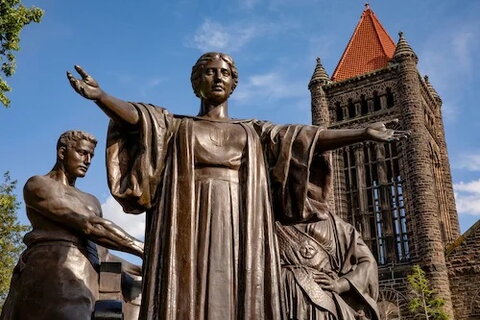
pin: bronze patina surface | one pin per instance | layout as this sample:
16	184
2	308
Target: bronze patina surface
57	275
213	188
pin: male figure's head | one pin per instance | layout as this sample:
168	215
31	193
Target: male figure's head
75	150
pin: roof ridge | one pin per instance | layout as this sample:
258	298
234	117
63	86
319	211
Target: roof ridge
376	25
457	242
369	48
349	43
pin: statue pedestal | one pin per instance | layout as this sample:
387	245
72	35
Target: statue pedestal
110	304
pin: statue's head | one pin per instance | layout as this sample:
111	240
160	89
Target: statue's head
308	249
309	253
200	73
75	150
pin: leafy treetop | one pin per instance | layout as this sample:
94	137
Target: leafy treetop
424	303
11	232
13	17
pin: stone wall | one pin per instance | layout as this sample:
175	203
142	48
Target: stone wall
397	91
463	262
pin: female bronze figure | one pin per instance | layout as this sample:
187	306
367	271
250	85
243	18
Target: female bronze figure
212	187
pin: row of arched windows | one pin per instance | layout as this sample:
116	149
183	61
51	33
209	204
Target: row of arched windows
364	106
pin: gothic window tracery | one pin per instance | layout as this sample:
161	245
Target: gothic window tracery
390	303
375	199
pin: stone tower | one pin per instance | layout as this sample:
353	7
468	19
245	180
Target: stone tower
398	195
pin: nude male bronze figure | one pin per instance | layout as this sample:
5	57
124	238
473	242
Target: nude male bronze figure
57	275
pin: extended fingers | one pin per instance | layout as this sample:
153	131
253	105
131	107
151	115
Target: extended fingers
391	122
81	72
401	134
322	278
70	77
73	82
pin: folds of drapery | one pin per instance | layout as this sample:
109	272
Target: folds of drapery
151	168
348	256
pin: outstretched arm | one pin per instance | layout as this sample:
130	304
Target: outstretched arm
108	234
118	110
65	206
378	131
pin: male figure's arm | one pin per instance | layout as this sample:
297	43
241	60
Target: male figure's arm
63	205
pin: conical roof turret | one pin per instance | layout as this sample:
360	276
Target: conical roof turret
319	75
403	50
370	48
432	90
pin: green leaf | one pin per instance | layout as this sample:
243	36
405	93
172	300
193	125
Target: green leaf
13	18
11	232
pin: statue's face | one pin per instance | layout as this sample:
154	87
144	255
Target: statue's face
77	158
308	249
216	81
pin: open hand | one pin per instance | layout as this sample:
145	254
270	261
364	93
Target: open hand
87	87
327	283
378	131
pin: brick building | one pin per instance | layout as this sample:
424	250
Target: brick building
398	195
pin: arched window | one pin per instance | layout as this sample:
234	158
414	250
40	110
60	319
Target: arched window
338	111
390	100
364	105
376	102
351	109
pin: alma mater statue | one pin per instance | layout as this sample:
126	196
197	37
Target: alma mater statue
212	187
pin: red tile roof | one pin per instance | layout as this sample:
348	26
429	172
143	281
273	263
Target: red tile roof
369	48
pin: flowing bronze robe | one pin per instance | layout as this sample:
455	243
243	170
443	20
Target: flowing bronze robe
153	169
332	247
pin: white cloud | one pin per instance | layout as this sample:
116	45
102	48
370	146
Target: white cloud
467	197
269	86
469	162
131	223
213	36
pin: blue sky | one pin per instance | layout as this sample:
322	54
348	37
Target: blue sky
144	50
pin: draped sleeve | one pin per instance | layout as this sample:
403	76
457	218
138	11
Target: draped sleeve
358	263
300	175
136	157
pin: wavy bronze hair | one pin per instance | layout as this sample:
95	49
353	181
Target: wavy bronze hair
69	138
198	68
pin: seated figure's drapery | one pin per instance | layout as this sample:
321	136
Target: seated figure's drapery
334	248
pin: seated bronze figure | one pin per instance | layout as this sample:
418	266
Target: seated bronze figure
328	272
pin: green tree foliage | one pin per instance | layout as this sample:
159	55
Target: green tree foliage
13	17
424	303
11	232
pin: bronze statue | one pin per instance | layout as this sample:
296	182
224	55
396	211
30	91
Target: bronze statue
212	187
57	275
328	272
